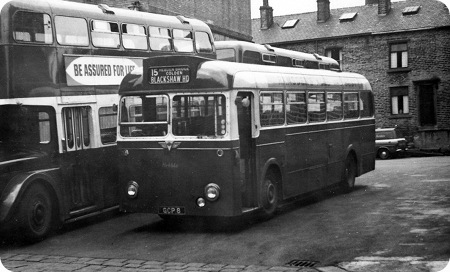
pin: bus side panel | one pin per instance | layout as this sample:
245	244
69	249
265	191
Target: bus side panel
34	68
271	145
177	178
306	159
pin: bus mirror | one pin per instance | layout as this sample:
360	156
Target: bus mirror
115	107
245	102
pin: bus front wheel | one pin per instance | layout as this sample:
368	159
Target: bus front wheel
269	196
35	213
349	176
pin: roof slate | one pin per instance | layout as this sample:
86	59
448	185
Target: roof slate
432	14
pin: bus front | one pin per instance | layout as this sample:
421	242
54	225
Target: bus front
177	153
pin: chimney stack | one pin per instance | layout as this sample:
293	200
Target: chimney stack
384	6
266	12
323	10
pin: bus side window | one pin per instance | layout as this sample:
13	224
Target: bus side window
226	54
44	128
134	37
271	109
105	34
108	125
366	103
351	102
182	40
334	106
296	107
203	42
32	27
316	107
160	38
252	57
71	31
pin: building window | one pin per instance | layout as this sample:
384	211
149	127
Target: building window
399	100
335	53
398	55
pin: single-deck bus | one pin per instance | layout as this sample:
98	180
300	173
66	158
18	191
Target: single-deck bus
205	137
247	52
61	64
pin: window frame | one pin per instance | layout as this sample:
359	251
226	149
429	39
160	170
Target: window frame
72	44
400	59
397	93
14	25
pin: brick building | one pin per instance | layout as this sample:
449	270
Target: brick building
403	48
228	19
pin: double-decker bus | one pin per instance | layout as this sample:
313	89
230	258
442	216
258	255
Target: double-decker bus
247	52
201	137
61	64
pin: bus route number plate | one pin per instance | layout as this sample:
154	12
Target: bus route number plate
169	75
172	210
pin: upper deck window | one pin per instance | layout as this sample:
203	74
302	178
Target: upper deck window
105	34
71	31
134	37
183	40
32	27
203	42
160	39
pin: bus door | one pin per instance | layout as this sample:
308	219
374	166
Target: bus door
76	162
247	148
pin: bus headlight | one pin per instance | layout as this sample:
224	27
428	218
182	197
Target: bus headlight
132	189
212	192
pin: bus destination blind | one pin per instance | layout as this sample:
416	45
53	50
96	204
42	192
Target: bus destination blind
169	75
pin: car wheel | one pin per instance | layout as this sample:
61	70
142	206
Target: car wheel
384	154
35	213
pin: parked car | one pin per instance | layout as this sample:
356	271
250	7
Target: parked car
389	142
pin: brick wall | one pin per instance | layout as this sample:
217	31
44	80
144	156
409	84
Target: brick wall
428	60
226	17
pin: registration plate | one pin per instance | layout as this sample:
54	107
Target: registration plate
172	210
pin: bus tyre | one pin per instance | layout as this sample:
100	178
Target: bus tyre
269	195
35	214
349	176
384	153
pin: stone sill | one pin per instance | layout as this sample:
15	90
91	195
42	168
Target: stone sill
400	116
399	70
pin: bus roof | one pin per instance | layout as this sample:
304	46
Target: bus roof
268	49
169	73
68	8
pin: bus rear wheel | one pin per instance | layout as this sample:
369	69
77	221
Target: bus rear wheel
35	213
269	195
349	175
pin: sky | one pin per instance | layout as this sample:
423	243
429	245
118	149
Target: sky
284	7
